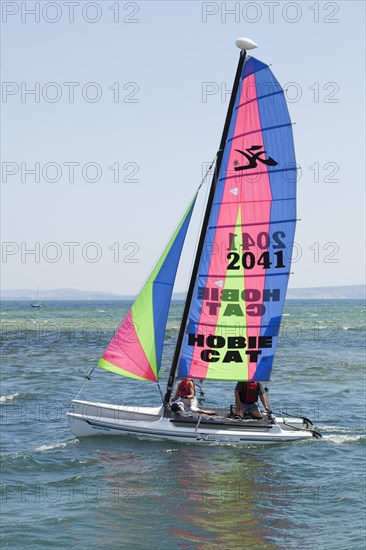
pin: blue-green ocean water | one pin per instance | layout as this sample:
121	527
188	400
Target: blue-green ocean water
122	492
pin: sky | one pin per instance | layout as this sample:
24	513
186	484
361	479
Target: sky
111	111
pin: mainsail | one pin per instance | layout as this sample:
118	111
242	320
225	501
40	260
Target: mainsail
136	348
240	284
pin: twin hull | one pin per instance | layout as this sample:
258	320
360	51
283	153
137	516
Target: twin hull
87	419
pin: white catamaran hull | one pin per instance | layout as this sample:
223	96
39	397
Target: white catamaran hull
88	419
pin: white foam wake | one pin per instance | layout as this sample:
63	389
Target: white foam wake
9	398
59	445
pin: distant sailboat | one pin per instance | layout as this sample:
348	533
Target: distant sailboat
234	304
36	303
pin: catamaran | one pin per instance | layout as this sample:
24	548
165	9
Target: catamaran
232	313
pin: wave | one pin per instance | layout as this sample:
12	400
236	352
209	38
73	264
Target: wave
58	445
343	429
13	397
9	398
343	434
341	439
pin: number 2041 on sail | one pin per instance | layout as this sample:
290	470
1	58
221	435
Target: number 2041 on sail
262	241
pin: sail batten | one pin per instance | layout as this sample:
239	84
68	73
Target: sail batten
258	130
262	200
251	224
264	96
279	171
215	276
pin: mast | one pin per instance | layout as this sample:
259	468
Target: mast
244	44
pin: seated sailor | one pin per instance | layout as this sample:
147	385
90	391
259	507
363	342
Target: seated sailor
184	396
246	397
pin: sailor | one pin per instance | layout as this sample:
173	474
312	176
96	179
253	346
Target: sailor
184	396
246	397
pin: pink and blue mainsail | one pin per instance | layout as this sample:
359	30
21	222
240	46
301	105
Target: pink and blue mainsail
136	348
236	307
234	310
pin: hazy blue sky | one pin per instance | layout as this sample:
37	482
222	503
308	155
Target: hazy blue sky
143	87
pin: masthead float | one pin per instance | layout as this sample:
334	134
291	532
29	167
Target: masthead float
245	44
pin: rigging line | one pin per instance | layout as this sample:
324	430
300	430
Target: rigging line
208	171
199	421
213	162
269	413
87	378
161	393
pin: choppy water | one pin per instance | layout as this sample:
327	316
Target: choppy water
121	492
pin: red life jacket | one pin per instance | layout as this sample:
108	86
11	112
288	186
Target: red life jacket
252	393
183	388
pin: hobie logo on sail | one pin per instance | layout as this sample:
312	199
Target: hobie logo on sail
253	157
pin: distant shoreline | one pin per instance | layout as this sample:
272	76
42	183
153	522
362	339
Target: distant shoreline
347	292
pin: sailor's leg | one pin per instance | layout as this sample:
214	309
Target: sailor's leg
254	412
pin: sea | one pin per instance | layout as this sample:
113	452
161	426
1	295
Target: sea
120	492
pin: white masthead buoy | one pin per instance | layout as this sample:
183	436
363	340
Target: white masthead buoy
246	44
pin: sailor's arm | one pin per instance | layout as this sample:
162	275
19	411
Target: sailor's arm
263	399
237	401
191	390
